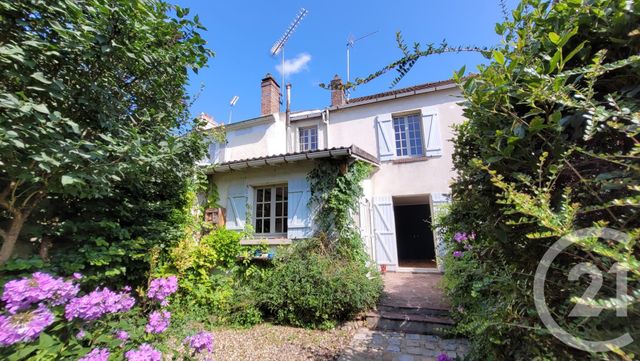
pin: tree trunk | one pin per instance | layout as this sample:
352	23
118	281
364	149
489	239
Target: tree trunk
10	236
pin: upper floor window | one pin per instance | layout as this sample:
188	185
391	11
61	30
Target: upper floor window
408	135
271	210
308	139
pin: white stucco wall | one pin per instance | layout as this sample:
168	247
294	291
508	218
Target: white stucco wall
264	136
269	175
357	125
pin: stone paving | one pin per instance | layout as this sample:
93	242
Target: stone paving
415	290
368	345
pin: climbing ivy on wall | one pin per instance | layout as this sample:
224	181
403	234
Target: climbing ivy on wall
336	188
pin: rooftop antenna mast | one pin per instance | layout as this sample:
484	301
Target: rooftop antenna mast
232	103
278	46
351	41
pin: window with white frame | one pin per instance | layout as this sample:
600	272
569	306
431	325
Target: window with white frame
271	210
308	138
408	135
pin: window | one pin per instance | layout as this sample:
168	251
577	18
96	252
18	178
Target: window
308	138
408	132
271	209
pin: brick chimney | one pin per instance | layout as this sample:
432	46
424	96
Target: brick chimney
270	100
337	92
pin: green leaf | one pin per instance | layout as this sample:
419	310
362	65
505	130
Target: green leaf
499	57
40	77
574	52
45	341
553	63
42	108
68	180
555	38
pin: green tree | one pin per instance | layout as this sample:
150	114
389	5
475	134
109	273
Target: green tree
92	91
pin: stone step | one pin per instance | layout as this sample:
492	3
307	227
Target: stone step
409	322
426	311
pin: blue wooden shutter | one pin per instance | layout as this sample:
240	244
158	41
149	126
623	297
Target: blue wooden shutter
298	214
386	140
431	132
384	231
236	206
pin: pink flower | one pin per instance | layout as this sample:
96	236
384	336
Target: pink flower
97	304
460	237
23	293
200	342
158	321
97	354
444	357
457	254
122	335
24	326
161	288
143	353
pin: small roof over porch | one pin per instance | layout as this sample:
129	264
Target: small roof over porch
351	152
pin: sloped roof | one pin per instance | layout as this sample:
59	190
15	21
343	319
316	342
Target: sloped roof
402	91
336	152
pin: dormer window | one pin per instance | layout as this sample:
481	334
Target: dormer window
308	139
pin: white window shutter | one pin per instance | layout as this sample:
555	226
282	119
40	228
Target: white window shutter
236	207
439	202
431	133
298	214
386	140
384	231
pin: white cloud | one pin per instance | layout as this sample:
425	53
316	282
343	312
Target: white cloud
295	65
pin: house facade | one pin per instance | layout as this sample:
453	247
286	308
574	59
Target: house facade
261	170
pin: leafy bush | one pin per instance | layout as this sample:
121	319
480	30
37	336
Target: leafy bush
550	147
212	280
104	178
308	287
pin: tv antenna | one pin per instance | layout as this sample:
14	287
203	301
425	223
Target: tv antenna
232	103
278	46
351	42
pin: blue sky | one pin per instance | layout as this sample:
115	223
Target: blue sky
242	32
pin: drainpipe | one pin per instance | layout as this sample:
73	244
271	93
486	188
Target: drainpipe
288	120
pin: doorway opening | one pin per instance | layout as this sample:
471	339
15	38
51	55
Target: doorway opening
414	236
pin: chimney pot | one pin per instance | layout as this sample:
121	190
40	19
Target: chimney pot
270	95
337	92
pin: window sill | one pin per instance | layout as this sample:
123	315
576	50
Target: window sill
410	160
266	241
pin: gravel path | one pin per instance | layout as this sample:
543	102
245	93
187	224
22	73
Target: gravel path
267	342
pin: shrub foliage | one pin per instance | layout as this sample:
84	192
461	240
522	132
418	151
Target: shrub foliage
551	146
91	95
310	287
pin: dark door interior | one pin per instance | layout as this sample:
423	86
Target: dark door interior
414	236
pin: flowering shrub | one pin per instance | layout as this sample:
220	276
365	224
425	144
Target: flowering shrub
200	342
462	240
161	288
44	317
